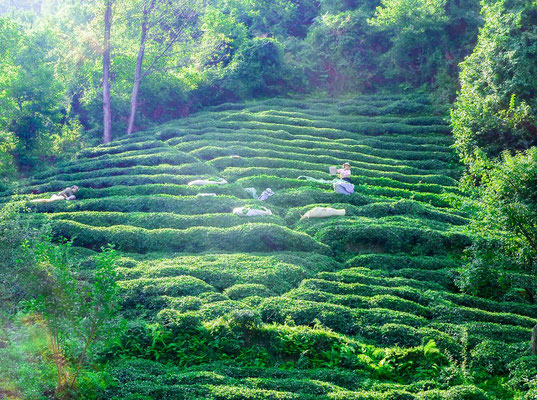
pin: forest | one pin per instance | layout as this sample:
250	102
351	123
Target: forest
172	225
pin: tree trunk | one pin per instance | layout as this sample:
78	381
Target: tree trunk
534	340
107	112
138	71
134	96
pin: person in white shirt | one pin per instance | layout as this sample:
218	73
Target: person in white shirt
345	172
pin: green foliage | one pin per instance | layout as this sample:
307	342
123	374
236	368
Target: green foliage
343	50
240	291
496	105
33	108
389	262
149	291
428	38
18	375
248	237
71	312
190	205
416	361
505	212
412	15
8	143
15	230
274	18
241	318
352	238
256	69
466	393
521	372
156	220
492	357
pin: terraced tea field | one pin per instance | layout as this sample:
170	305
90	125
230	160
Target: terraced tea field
223	306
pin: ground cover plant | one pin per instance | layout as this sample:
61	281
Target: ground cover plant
223	306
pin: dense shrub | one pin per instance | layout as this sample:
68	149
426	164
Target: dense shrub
222	308
419	183
147	290
395	107
185	303
372	277
111	161
495	109
492	357
159	220
522	371
193	169
279	271
178	322
396	262
188	205
307	195
244	319
356	301
240	291
490	305
423	360
410	207
290	324
405	292
305	313
120	147
108	182
377	154
459	314
466	393
396	334
249	237
353	238
480	331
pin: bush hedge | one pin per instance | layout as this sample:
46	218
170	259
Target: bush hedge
409	151
424	182
253	237
346	238
160	220
200	169
111	161
186	205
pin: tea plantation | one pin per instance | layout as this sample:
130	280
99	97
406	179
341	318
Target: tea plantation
223	306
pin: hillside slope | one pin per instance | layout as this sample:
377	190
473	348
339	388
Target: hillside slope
223	306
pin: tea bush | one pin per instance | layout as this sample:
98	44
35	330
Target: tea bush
219	306
249	237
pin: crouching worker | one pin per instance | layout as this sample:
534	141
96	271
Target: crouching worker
343	187
65	194
345	172
69	193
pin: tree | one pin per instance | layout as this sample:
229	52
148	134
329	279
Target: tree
495	128
9	39
107	112
412	15
503	262
40	279
344	51
497	103
428	39
163	24
31	95
8	143
34	97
